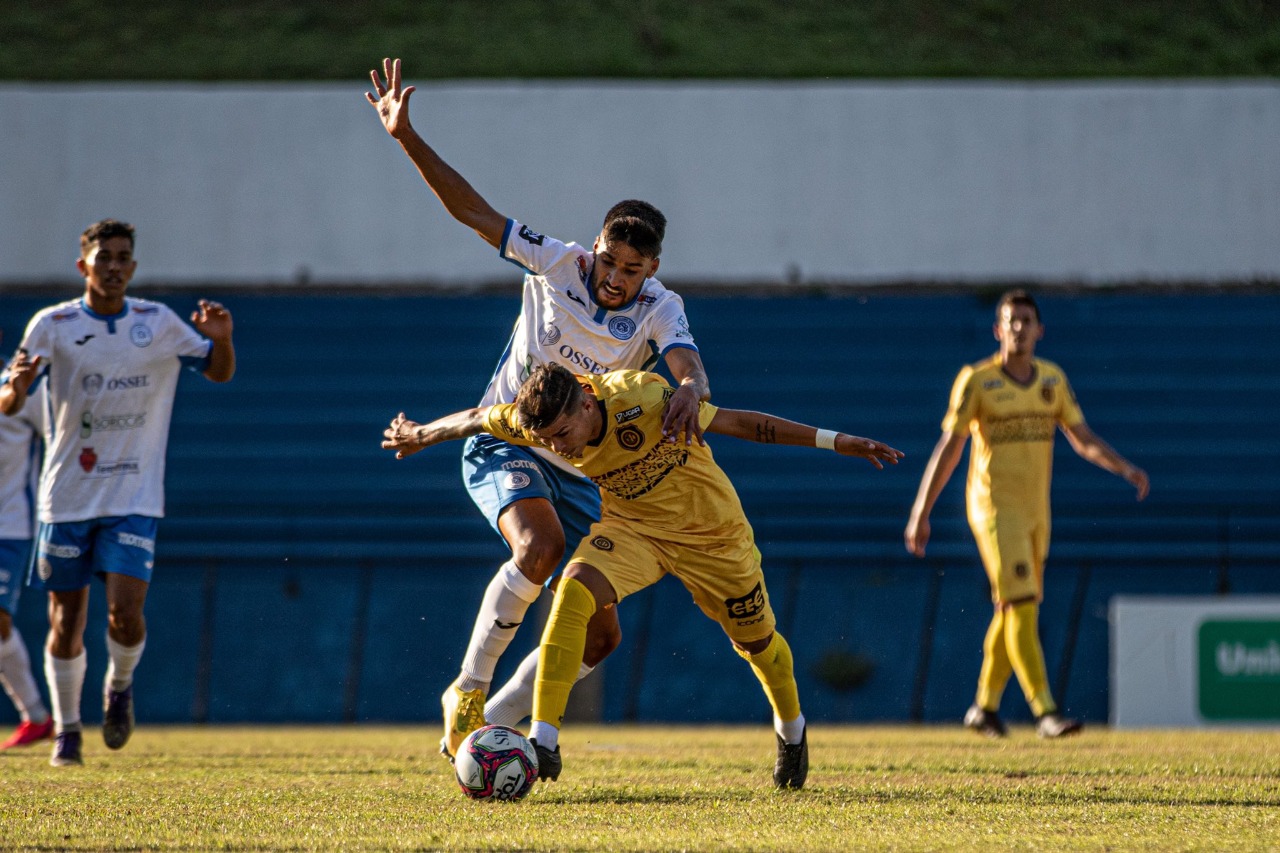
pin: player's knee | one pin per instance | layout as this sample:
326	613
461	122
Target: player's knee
538	553
125	623
755	647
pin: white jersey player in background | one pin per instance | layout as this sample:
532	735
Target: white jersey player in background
21	440
111	365
591	310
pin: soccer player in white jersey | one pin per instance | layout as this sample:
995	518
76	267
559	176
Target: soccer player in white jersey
592	311
21	438
111	365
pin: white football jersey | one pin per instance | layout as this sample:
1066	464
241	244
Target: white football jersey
561	322
21	439
111	383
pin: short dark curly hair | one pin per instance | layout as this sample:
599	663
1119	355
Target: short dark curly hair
1017	296
102	230
640	210
548	393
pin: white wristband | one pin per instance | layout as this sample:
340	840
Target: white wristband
825	439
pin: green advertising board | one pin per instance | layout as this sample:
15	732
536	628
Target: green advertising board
1240	669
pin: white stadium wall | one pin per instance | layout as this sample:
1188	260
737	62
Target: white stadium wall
802	183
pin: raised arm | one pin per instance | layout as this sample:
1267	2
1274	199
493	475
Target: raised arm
946	454
213	321
1089	446
681	416
458	197
768	429
22	372
407	437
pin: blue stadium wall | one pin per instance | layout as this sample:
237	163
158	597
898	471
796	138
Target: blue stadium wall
305	575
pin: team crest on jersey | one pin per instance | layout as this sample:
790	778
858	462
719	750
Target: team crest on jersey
531	236
92	384
602	543
622	328
141	335
1046	392
629	415
88	459
631	438
516	480
549	335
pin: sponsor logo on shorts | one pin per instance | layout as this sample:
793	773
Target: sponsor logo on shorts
622	328
631	438
748	607
1021	570
629	415
549	335
519	463
64	552
141	335
133	539
602	543
531	236
44	569
516	480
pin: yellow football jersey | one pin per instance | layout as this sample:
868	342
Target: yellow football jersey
1012	426
664	490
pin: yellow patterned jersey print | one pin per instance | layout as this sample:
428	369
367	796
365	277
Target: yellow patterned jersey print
667	491
1012	426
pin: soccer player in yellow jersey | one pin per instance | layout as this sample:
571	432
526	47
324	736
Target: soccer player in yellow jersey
1011	404
667	508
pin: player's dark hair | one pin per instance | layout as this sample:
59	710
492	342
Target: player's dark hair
1017	297
636	233
640	210
547	394
102	230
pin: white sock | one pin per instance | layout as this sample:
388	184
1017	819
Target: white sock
124	659
545	734
18	680
791	731
510	705
506	600
66	682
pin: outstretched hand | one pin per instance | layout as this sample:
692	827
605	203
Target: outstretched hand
402	437
876	452
681	417
212	320
391	103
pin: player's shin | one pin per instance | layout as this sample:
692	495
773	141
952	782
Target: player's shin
514	700
776	670
506	600
996	667
17	679
66	683
560	658
1022	638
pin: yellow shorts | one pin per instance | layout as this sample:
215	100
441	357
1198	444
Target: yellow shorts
725	579
1013	550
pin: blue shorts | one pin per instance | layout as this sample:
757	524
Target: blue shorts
68	554
15	554
498	474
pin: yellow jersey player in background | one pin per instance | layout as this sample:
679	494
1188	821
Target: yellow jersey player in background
666	508
1011	403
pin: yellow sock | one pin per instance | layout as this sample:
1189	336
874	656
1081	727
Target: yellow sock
560	654
996	667
776	671
1022	638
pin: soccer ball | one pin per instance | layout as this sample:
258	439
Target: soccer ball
496	763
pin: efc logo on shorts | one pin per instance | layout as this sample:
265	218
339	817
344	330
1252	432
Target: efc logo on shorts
746	608
530	236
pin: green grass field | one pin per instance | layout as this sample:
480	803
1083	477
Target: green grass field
653	788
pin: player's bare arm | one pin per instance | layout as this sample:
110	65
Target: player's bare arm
407	437
22	372
213	320
458	197
769	429
681	415
943	461
1086	443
